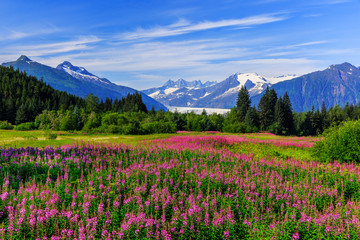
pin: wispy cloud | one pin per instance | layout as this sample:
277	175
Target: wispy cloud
329	2
184	27
39	50
294	46
13	34
334	1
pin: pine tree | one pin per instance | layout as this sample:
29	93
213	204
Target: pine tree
252	118
178	120
324	116
267	108
288	114
280	117
306	126
243	103
21	114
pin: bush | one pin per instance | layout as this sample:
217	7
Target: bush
340	143
25	126
159	127
6	125
113	129
239	128
50	136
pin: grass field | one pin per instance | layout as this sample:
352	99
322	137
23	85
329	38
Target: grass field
38	138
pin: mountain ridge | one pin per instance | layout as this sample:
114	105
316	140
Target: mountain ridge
336	85
212	94
78	83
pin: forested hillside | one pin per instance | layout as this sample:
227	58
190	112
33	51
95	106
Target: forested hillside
24	97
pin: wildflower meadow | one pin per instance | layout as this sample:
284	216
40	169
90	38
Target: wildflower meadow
182	187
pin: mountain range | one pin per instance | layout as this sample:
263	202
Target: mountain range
337	85
211	94
78	81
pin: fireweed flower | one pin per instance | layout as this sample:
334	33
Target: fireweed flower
179	186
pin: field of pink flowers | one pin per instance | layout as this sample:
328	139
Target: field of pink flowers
184	187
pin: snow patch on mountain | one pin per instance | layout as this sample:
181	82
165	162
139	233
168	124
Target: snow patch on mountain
182	93
274	80
81	73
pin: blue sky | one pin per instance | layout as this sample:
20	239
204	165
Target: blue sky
142	44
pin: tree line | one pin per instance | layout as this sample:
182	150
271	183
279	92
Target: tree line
23	98
30	103
275	114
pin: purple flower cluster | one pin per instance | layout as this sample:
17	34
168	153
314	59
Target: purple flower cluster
182	187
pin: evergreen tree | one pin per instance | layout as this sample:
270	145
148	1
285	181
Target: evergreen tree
77	118
288	114
92	103
152	112
279	117
178	120
21	114
252	118
316	121
324	116
307	126
267	108
243	103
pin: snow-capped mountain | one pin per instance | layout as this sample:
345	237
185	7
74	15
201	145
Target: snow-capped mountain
80	73
337	85
177	88
78	81
212	94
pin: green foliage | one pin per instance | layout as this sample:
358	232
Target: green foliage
267	108
243	103
30	137
6	125
25	126
3	212
340	143
93	121
50	135
24	97
252	118
239	128
132	128
68	122
159	127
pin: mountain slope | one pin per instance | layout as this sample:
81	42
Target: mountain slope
211	94
337	84
78	81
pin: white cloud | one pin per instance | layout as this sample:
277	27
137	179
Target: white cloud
13	34
41	50
334	1
305	44
184	27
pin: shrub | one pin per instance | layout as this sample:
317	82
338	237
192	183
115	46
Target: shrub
341	143
238	128
6	125
132	129
25	126
159	127
113	129
50	135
